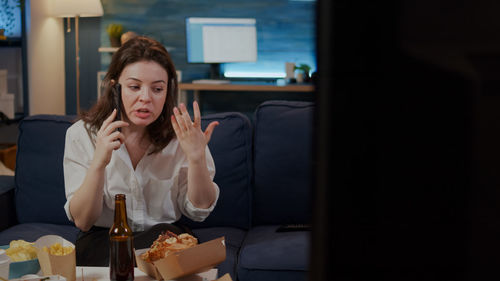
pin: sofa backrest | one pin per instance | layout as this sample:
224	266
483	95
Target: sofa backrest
282	162
40	195
231	148
39	192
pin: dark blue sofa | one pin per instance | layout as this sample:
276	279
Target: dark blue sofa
263	171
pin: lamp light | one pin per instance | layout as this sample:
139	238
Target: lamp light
76	9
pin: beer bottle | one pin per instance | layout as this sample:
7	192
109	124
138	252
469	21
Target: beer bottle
121	244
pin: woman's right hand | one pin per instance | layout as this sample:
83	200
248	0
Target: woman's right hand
108	139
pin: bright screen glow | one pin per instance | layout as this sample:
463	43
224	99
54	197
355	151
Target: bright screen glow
221	40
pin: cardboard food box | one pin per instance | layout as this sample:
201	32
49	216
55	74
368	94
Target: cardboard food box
196	259
64	265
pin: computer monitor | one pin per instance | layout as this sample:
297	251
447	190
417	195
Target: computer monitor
221	40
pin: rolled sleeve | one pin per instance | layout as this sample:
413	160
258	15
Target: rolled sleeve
187	207
75	164
199	214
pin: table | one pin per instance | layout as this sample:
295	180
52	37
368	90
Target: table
94	273
239	87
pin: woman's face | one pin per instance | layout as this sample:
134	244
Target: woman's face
144	91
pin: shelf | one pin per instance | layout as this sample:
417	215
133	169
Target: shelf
249	87
107	49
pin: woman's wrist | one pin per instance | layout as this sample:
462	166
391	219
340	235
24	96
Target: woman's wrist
97	166
197	160
199	157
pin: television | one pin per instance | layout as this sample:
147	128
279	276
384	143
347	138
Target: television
220	40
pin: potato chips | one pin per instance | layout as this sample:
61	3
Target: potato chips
20	250
57	249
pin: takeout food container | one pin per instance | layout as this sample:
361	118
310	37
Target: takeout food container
56	265
196	259
20	268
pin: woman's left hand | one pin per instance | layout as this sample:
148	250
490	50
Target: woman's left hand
192	139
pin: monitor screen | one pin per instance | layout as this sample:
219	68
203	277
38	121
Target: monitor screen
221	40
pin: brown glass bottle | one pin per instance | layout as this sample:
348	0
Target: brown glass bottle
121	244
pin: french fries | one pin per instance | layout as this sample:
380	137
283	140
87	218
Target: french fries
58	250
20	250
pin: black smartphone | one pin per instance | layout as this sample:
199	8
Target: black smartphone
117	96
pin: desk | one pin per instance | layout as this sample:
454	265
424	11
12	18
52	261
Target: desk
239	87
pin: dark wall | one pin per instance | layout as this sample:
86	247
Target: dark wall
286	31
89	63
407	141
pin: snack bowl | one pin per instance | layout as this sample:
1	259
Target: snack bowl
20	268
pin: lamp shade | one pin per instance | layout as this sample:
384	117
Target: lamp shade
72	8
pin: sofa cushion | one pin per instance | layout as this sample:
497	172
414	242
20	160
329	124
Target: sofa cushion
32	231
233	240
6	183
265	250
40	195
272	275
230	145
282	162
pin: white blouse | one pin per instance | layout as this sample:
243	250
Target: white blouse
156	191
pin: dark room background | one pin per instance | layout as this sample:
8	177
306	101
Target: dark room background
285	33
408	141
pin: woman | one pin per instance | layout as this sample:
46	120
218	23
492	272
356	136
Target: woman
157	156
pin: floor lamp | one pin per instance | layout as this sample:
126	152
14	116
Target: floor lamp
76	9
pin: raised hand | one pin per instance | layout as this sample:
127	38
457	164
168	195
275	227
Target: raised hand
192	139
108	139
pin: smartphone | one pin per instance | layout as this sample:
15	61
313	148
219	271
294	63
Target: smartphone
117	97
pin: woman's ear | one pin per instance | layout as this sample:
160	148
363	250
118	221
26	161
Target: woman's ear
113	82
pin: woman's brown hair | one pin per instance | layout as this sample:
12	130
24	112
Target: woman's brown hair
137	49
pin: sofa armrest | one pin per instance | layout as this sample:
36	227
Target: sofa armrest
7	202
